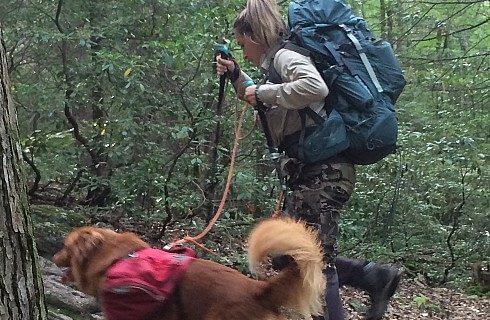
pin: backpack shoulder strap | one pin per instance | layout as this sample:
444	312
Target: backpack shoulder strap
265	127
296	48
272	74
313	115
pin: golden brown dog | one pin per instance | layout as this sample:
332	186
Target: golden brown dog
208	290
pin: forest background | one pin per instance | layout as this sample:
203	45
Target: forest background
117	108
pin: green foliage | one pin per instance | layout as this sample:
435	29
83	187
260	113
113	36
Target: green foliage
424	303
421	301
137	78
425	207
478	290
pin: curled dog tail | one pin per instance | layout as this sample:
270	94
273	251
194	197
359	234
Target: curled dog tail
299	286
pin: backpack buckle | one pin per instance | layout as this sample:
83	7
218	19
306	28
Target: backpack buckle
275	155
346	28
133	255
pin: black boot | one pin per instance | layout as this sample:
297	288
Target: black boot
379	281
383	281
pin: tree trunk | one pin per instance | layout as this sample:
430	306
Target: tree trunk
382	19
99	195
21	289
399	6
389	22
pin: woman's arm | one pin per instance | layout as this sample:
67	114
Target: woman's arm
302	83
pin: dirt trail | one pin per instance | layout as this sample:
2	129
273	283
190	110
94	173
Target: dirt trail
434	303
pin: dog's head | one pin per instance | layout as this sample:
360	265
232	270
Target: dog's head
78	247
88	251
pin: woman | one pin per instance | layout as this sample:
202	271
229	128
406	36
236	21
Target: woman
320	190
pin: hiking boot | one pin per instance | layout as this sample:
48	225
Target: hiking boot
383	282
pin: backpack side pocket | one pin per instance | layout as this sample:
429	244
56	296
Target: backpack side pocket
327	140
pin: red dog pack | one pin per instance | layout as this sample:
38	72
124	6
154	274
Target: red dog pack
139	285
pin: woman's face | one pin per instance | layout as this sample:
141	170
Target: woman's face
252	51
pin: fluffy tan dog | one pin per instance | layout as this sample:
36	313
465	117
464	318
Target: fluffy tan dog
208	290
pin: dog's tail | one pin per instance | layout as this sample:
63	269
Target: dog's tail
301	285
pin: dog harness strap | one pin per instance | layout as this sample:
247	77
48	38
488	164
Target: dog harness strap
139	285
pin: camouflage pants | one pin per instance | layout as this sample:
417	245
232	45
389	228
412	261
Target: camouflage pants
318	194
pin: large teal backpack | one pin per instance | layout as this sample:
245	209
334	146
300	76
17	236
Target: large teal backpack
362	73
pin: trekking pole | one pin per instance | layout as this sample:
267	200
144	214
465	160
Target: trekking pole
274	155
222	49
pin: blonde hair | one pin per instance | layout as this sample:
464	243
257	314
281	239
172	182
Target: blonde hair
261	21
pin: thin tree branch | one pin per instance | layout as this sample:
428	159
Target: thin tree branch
454	32
446	59
460	2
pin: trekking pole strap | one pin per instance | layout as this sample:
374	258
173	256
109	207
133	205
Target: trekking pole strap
362	55
302	115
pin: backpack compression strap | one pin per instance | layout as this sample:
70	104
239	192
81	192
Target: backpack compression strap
363	57
307	111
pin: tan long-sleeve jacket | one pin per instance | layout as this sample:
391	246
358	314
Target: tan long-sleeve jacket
302	86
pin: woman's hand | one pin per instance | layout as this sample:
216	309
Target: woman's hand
249	95
224	66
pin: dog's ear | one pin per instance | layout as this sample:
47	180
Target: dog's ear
86	242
